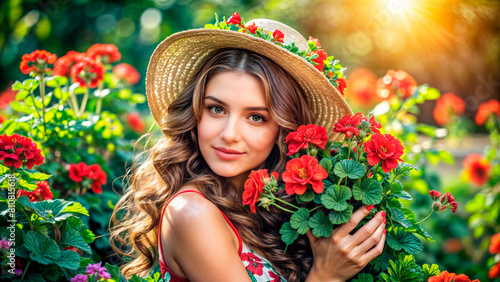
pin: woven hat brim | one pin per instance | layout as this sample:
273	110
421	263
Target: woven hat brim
176	59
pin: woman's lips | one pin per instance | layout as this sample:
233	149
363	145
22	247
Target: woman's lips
227	154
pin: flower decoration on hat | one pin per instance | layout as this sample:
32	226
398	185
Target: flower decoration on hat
318	57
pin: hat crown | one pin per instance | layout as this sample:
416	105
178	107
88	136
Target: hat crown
291	35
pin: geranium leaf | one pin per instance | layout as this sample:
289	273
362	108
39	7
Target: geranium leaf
339	217
307	196
404	169
399	217
288	234
430	271
369	192
320	225
43	249
349	168
397	190
326	164
300	220
363	277
38	176
68	259
53	210
335	197
76	207
381	262
399	239
76	223
71	237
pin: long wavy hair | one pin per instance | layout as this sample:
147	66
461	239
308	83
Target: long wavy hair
175	160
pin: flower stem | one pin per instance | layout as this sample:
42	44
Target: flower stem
74	101
99	100
282	208
315	209
26	269
85	98
42	94
284	202
426	217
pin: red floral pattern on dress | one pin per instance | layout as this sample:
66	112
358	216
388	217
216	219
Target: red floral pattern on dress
255	263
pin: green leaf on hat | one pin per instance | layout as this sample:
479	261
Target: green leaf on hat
339	217
336	197
321	225
349	168
288	234
369	192
300	220
68	259
43	249
399	239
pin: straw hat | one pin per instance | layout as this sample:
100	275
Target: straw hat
177	57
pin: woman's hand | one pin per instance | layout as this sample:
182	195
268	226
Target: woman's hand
341	256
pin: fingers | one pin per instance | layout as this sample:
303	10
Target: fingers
373	240
356	217
311	237
376	251
367	230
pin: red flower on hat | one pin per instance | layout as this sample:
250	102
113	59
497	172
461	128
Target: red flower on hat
396	82
494	271
448	106
342	86
234	19
278	36
252	28
485	109
37	61
106	53
476	169
63	65
127	73
41	193
301	172
16	150
315	40
254	186
495	244
135	122
385	148
88	71
320	60
304	135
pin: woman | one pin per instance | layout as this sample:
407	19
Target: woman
225	101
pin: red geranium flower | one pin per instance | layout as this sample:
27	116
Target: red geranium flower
234	19
71	248
278	36
6	96
320	60
396	82
88	71
445	276
135	122
127	73
78	171
384	148
494	271
302	171
448	106
485	109
495	244
435	195
39	60
63	65
106	53
2	118
348	125
274	276
41	193
255	266
476	169
342	86
254	186
17	150
304	135
252	28
448	201
315	40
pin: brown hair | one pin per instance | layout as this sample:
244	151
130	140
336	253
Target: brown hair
175	160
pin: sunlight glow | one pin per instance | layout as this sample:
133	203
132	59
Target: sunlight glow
399	6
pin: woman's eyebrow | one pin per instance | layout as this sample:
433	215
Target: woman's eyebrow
247	108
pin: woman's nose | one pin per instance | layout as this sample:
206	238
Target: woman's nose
231	131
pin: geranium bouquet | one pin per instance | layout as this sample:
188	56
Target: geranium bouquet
330	180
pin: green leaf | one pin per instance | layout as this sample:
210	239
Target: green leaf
336	197
77	224
339	217
300	220
52	210
114	272
21	95
397	190
369	192
307	196
349	168
399	239
363	277
76	207
43	249
71	237
138	98
404	169
400	218
288	234
38	176
326	164
446	157
381	262
433	270
321	225
68	259
21	108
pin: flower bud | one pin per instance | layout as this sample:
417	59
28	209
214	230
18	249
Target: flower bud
437	206
265	202
314	152
365	125
362	134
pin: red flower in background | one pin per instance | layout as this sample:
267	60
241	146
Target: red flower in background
445	276
135	122
88	71
476	169
494	271
127	73
320	60
2	118
234	19
79	172
485	109
254	186
252	28
37	61
304	135
6	96
362	90
495	244
384	148
448	106
302	171
106	53
396	82
16	150
278	36
41	193
349	125
342	86
63	65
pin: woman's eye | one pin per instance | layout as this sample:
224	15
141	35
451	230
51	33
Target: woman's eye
256	118
216	110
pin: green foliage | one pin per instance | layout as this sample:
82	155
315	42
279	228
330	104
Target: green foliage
349	168
300	220
369	192
398	239
320	225
403	270
288	233
336	197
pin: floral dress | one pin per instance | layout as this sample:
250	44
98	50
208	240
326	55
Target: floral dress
258	268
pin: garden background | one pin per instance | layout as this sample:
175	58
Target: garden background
402	60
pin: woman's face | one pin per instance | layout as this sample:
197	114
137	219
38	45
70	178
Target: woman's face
236	132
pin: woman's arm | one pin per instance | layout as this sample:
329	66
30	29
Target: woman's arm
201	242
341	256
